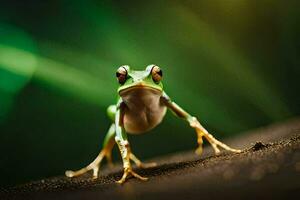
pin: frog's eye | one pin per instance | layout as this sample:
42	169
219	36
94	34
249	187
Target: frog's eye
156	73
121	75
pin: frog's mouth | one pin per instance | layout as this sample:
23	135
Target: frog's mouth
139	88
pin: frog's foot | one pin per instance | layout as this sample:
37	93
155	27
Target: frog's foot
92	166
140	164
128	171
106	152
202	132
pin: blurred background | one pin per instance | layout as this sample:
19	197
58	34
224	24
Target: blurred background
233	64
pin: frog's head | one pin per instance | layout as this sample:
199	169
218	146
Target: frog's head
150	78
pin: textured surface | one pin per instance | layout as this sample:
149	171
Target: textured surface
269	167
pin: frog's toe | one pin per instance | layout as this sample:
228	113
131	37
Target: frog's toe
129	171
69	173
95	172
199	150
147	165
140	163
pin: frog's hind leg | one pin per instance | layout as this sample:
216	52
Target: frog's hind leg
108	144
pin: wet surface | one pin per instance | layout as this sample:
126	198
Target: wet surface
269	167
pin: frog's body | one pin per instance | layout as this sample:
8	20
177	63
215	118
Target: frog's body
141	106
143	109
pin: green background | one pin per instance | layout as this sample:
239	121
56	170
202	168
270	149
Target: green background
232	63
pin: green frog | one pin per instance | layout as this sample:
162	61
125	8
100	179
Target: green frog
141	106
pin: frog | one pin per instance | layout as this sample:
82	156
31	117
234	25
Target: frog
141	106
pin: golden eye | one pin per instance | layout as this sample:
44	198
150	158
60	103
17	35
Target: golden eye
156	73
121	75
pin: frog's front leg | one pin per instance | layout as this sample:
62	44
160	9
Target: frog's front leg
201	131
124	147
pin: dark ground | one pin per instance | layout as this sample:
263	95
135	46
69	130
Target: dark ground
268	168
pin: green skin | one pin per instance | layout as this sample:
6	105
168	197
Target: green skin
140	107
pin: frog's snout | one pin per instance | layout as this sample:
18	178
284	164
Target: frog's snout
140	82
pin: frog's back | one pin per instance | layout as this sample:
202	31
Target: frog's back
144	109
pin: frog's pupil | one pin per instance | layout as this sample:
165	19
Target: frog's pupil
159	72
